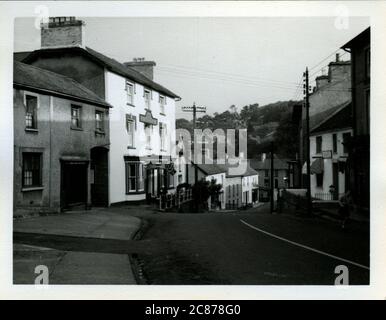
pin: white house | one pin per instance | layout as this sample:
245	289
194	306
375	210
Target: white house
142	117
242	189
328	155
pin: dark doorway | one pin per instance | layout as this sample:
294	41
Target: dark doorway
335	180
99	177
74	184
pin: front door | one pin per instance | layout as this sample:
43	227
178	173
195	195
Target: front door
74	184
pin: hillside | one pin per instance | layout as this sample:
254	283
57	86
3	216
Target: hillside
271	122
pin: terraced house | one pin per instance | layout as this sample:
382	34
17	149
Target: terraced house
61	140
142	117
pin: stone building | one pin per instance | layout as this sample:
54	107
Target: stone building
359	48
142	120
61	142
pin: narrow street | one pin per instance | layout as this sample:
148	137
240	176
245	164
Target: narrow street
250	247
219	248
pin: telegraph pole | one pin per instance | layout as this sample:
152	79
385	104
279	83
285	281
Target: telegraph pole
194	109
306	92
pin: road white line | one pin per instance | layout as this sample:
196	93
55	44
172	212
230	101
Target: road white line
305	247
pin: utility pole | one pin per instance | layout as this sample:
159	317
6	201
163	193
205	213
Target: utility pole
306	92
194	109
272	184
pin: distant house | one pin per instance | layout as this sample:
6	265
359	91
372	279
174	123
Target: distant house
263	167
142	119
359	48
242	189
328	155
61	142
210	172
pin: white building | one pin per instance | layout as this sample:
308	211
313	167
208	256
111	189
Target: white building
328	155
210	172
142	117
242	189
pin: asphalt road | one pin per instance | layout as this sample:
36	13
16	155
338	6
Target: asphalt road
251	248
241	248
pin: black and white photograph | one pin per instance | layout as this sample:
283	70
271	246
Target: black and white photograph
168	147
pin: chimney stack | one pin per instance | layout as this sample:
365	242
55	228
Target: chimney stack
62	32
337	57
142	66
263	157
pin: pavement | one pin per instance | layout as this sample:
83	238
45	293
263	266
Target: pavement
73	264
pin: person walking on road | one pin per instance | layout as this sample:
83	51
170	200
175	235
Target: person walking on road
345	203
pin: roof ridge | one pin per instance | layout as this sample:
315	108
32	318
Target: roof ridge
74	82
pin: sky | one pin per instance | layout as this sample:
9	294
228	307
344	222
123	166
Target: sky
217	62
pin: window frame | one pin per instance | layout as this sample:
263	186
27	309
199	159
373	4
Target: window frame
101	121
34	184
79	108
34	126
163	135
130	97
162	105
139	174
318	146
147	101
334	143
132	120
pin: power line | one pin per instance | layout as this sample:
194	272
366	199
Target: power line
241	81
227	74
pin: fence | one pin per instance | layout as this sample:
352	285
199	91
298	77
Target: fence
174	200
327	196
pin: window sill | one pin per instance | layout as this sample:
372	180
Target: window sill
130	104
148	148
26	189
76	129
163	150
162	114
99	133
135	192
130	147
32	130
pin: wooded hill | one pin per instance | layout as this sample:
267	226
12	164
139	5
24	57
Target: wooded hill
271	122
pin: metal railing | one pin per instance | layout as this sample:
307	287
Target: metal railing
327	196
174	200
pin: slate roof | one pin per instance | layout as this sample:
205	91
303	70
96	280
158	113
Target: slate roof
215	168
109	63
320	117
340	119
210	169
37	79
249	172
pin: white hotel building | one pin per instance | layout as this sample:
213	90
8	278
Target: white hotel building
142	117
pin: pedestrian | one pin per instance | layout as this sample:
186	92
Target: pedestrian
345	203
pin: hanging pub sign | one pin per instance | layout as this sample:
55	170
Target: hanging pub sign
148	118
327	154
170	168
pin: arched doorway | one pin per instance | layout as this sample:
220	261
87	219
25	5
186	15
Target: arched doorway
99	177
